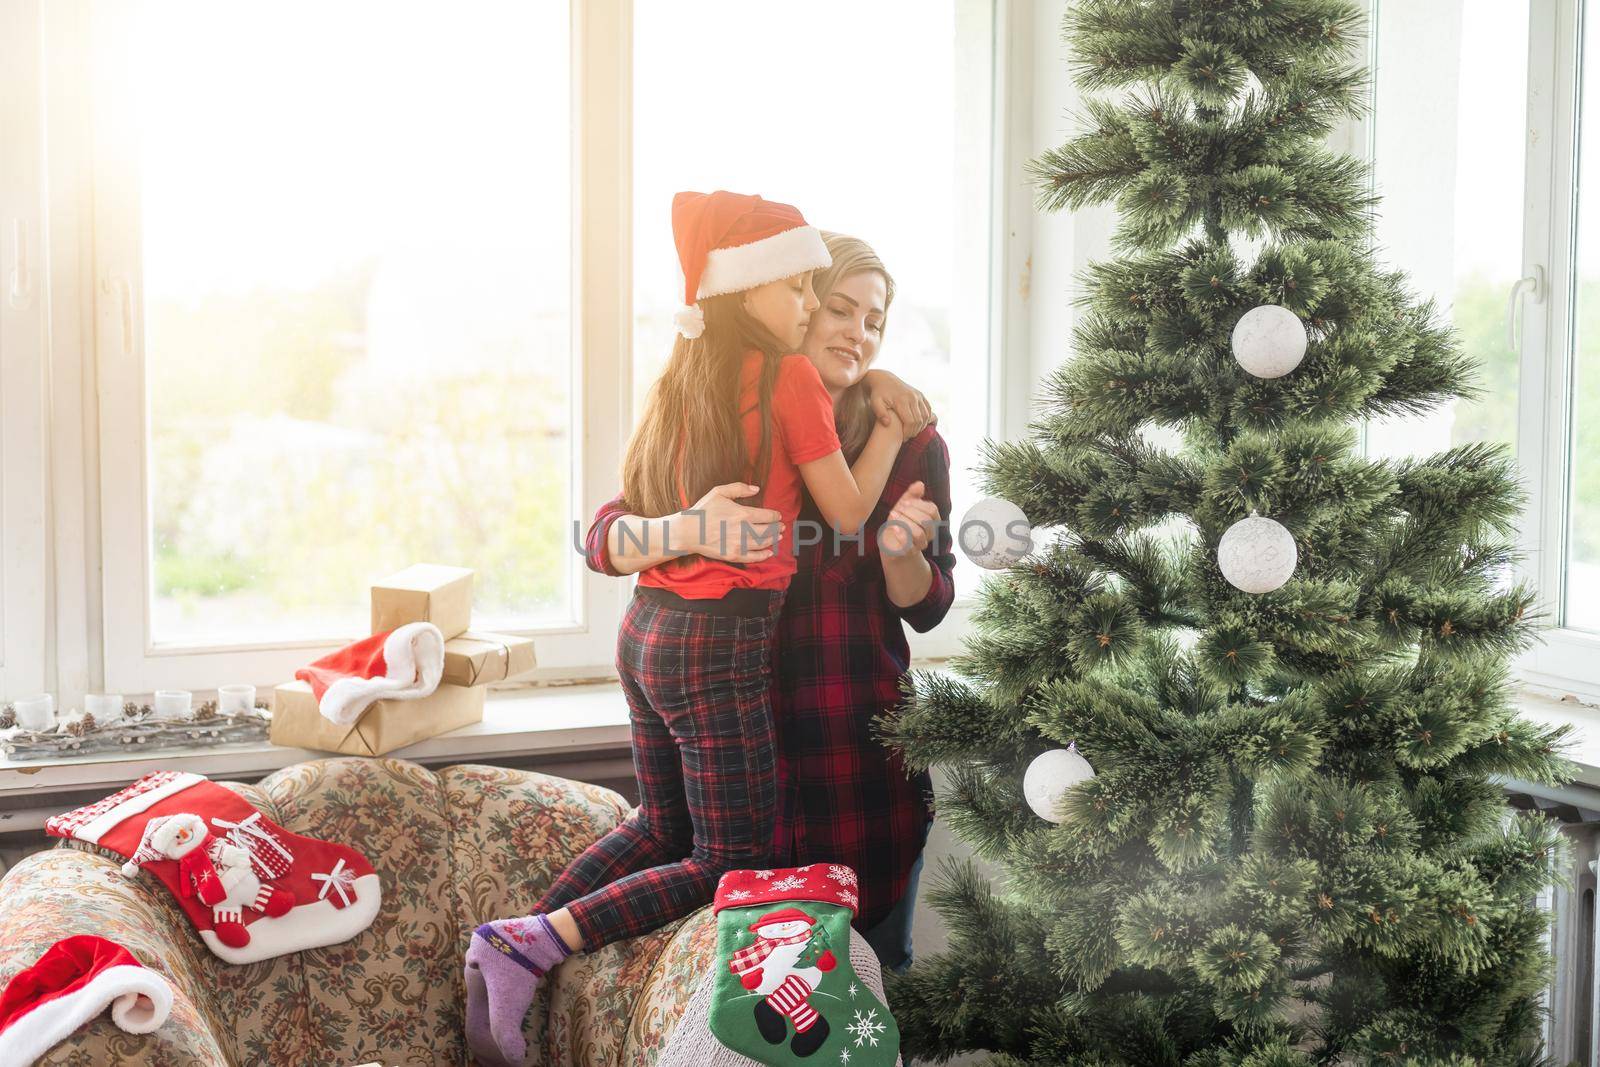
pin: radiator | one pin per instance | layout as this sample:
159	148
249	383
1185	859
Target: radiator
1570	1000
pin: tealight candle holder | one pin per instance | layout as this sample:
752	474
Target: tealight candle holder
36	712
232	699
173	703
103	706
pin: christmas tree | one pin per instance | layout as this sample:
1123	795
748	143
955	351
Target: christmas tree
1292	849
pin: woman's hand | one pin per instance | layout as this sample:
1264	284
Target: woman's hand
719	527
911	522
891	427
891	396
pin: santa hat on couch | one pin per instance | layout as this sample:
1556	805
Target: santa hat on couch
729	242
402	664
74	981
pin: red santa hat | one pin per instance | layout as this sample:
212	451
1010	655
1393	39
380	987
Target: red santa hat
74	981
402	664
730	242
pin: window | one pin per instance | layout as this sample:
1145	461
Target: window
1448	159
1560	240
1493	105
350	289
1581	599
875	120
329	289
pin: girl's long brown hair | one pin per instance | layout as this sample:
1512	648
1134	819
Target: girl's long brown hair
691	436
852	255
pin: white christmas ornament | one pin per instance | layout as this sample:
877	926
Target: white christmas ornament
995	533
1049	777
1269	341
1257	555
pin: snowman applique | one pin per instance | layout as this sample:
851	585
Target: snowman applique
218	873
785	964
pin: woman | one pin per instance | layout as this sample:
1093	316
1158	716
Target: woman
840	648
735	400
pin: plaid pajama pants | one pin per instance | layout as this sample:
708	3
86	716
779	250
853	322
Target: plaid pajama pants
697	676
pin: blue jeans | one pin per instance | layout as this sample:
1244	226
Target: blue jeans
891	938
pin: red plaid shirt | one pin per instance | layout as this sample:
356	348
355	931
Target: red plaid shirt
841	652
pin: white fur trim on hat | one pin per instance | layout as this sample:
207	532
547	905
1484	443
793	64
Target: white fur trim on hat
413	659
140	1001
733	270
690	321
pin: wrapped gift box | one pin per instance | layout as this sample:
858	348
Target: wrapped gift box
426	592
384	727
481	658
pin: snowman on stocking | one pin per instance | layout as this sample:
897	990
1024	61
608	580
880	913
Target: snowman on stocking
251	888
784	965
219	874
782	996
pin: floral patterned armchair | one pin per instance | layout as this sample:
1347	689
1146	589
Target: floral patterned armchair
454	847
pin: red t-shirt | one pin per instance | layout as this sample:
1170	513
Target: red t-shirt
802	430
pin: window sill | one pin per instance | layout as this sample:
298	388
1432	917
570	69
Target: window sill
1584	719
564	721
556	721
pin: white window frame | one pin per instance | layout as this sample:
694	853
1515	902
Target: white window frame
1008	246
75	587
599	353
1566	660
24	592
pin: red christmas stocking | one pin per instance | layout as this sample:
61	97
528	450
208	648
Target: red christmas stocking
252	889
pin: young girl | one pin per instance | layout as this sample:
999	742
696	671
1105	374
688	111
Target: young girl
693	653
842	651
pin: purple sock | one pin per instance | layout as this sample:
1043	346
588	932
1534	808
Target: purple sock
505	961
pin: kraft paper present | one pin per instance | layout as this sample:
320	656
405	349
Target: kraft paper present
477	658
426	592
384	727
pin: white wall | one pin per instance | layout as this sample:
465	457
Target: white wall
1414	144
1061	245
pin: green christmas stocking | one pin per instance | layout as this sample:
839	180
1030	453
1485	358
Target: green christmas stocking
785	994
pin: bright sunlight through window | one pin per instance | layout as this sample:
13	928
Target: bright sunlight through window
356	301
881	131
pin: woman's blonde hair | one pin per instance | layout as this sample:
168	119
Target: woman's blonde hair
852	255
691	436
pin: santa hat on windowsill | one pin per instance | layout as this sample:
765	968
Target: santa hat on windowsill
74	981
402	664
729	242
